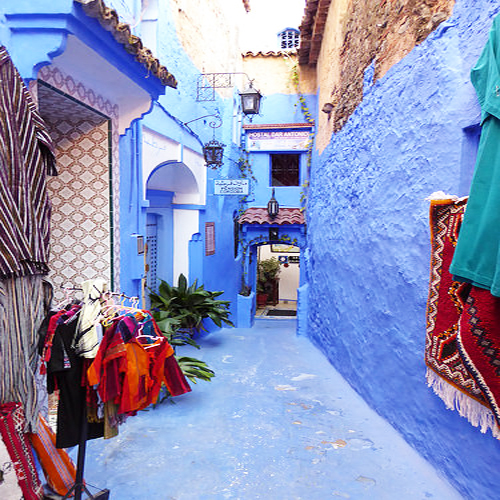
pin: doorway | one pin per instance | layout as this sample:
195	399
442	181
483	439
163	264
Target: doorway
82	230
281	291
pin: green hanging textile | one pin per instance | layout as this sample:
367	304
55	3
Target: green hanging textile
477	255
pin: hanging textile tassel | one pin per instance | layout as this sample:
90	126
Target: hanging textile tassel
476	413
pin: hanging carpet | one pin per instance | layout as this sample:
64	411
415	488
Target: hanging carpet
447	373
479	343
12	424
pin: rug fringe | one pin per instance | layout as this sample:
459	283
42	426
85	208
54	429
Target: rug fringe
477	414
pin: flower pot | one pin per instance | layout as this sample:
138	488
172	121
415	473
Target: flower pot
261	299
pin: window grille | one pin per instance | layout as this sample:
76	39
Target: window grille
289	39
285	170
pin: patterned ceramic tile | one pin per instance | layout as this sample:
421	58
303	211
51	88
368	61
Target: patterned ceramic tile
80	239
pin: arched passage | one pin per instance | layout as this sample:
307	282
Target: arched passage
170	225
288	228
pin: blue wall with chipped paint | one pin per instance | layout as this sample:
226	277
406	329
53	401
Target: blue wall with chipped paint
414	133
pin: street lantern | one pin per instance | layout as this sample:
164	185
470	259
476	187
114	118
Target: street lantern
250	100
209	82
273	207
213	152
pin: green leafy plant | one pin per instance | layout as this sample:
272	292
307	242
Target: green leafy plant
180	310
267	271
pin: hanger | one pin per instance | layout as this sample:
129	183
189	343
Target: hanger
67	297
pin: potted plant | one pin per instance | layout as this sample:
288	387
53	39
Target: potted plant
268	271
181	309
179	312
262	296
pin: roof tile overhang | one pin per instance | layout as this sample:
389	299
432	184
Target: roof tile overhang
271	53
251	126
258	215
122	33
312	30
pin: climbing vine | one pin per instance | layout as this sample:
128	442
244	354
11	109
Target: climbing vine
306	113
258	240
246	172
245	166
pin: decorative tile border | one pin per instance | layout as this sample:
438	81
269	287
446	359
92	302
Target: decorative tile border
81	221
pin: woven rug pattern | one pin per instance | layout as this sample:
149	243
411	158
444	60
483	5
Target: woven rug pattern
12	424
479	343
447	373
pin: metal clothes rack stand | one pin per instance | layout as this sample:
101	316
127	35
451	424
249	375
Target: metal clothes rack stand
79	487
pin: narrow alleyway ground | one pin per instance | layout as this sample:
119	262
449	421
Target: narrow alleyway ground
276	423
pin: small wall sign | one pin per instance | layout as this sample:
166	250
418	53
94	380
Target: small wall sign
278	140
231	186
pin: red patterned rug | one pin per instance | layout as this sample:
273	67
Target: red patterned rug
447	373
479	343
12	423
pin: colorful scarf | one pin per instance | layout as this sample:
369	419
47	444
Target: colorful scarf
57	466
87	339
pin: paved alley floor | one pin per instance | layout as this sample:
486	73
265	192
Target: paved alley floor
276	423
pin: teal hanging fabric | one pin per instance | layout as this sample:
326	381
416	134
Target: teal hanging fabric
477	255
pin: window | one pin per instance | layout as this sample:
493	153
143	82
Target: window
209	238
285	170
289	39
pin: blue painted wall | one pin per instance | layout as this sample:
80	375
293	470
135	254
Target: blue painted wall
278	109
413	134
221	271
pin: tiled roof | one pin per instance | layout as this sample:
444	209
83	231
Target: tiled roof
122	33
312	30
270	53
257	215
251	126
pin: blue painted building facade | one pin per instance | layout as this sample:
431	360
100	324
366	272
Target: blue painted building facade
414	133
158	212
365	254
151	182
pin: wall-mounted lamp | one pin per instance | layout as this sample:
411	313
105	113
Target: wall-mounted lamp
213	150
327	108
273	207
208	82
274	234
250	100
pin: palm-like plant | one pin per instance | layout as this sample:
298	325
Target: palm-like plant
180	310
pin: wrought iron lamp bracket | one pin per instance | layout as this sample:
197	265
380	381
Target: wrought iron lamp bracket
208	82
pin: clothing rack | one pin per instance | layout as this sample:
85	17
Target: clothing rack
109	293
79	486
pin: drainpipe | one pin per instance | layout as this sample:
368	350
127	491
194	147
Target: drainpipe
138	173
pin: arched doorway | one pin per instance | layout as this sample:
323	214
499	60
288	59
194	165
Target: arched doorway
257	229
277	295
170	225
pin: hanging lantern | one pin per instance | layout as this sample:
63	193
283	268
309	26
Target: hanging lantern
250	100
273	207
212	152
